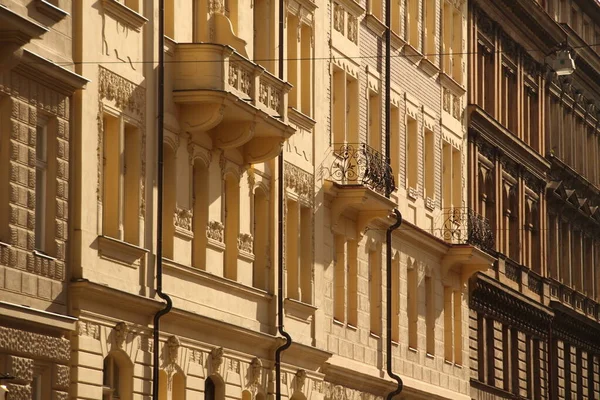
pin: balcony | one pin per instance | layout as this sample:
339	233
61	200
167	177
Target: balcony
464	226
359	179
231	101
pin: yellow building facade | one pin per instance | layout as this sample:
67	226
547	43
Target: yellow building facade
79	125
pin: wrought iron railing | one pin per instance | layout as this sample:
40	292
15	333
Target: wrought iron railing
360	164
463	225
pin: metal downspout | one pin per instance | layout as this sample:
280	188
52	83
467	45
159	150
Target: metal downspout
389	293
396	225
159	200
280	189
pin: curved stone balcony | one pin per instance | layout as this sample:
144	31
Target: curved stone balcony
234	101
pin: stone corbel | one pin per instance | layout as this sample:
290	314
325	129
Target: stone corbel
262	149
365	218
196	121
339	205
466	261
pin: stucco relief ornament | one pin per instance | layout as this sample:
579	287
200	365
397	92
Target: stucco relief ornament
120	330
255	371
216	359
182	218
214	230
245	242
173	345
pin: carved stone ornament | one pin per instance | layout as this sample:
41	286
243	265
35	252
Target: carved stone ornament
214	230
255	371
34	345
352	28
182	218
300	379
245	242
120	330
126	94
338	18
173	345
216	359
299	181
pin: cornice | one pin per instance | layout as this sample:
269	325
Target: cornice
124	14
50	74
356	375
12	21
511	146
575	328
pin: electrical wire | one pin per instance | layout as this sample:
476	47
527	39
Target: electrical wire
258	61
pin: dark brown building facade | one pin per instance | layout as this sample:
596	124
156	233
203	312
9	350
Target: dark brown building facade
534	150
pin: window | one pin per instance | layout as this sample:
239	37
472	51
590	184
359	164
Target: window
395	141
412	298
485	77
200	214
121	180
298	254
133	4
448	324
264	35
169	201
374	121
169	18
458	337
430	29
41	172
530	118
40	384
214	388
232	225
412	22
375	289
116	379
396	21
451	176
396	299
429	164
412	160
430	310
565	253
299	64
339	295
452	42
261	239
5	128
352	283
376	9
509	107
345	296
345	107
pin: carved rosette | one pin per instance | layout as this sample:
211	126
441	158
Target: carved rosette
215	230
182	218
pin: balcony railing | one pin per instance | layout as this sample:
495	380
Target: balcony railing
463	225
360	164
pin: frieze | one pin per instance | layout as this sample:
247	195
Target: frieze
299	181
215	230
34	345
182	218
196	356
126	94
339	392
85	328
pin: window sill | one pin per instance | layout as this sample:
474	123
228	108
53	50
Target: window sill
124	14
120	251
352	327
412	54
429	67
412	349
215	244
50	10
375	335
300	119
448	82
412	193
184	233
430	356
338	322
43	255
298	310
397	42
374	24
245	256
5	245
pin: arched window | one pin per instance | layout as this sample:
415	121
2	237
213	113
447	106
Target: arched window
169	199
232	225
214	388
200	215
178	387
117	377
209	389
261	239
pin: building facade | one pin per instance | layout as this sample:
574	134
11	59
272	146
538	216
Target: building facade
232	105
533	168
37	82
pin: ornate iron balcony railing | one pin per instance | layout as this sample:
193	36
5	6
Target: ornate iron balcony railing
463	225
360	164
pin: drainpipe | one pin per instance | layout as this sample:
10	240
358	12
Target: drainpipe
159	200
396	225
389	293
280	189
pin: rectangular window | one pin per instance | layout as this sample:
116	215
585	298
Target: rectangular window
339	267
293	69
412	22
264	34
374	121
446	175
41	177
40	384
121	180
430	316
430	29
352	283
306	68
412	147
376	9
448	324
412	298
291	249
395	141
345	107
447	38
396	299
375	290
429	164
457	50
306	255
457	329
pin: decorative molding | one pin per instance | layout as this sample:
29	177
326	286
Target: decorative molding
215	230
124	14
173	345
85	328
34	345
216	359
300	182
121	331
182	218
255	372
333	391
245	242
50	10
300	379
126	94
